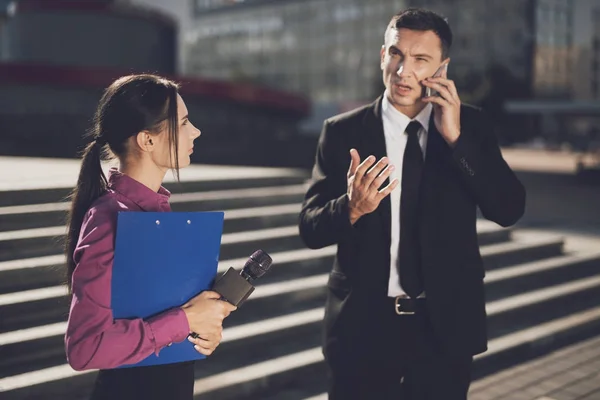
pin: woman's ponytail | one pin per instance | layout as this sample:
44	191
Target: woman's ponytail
91	184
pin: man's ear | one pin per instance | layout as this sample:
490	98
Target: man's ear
382	54
445	72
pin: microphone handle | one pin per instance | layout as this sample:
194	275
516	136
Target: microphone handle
233	288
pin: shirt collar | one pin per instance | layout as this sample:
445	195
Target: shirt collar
397	118
140	194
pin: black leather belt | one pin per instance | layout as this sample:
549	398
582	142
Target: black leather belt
407	306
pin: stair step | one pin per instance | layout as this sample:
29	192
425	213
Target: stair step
275	197
40	272
524	248
260	333
48	305
538	307
19	311
41	242
322	396
249	382
44	270
544	294
520	278
539	339
511	276
53	179
50	214
235	219
260	371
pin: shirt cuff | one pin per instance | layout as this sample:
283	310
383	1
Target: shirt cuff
168	328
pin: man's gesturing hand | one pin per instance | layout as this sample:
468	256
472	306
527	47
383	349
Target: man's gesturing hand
364	181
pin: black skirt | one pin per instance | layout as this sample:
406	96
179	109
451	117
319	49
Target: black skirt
157	382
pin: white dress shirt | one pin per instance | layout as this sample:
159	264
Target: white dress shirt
394	126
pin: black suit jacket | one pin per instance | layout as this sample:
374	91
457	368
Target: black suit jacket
455	182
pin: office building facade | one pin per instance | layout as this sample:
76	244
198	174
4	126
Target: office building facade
327	49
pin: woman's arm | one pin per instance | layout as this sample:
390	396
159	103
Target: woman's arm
94	340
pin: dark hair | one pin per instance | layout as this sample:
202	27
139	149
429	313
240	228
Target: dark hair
419	19
130	105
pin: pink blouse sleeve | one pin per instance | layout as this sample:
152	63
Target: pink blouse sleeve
94	340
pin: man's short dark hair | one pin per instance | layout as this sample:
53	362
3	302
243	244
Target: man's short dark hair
418	19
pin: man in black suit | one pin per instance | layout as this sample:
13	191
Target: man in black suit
405	310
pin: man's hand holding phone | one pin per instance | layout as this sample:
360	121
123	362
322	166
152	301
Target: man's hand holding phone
442	92
428	91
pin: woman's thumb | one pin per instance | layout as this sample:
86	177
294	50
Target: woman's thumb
209	294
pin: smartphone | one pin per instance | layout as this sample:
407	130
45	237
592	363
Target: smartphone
427	92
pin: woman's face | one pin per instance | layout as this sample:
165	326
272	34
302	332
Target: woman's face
187	134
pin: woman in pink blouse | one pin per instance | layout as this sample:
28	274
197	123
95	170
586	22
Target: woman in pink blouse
143	122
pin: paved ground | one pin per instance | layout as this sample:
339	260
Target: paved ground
572	373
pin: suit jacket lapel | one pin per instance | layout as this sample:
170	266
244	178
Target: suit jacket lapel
373	143
437	158
437	153
433	136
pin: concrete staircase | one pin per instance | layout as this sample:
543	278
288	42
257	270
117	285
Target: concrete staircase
543	292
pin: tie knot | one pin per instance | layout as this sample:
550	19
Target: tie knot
413	128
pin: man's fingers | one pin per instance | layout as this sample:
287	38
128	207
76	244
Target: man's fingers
354	162
446	83
377	168
387	190
442	89
453	90
437	100
362	169
374	172
377	182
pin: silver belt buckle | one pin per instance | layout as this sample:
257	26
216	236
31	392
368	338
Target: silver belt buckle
397	307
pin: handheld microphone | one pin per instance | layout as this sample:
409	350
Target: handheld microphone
235	287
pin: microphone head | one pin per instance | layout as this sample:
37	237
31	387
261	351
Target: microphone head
258	263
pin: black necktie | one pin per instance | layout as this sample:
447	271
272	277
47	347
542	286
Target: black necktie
409	259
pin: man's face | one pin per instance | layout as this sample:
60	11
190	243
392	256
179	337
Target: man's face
407	58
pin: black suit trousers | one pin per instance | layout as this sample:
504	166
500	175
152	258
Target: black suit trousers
409	365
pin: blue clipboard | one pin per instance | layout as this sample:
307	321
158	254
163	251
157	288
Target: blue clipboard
162	259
